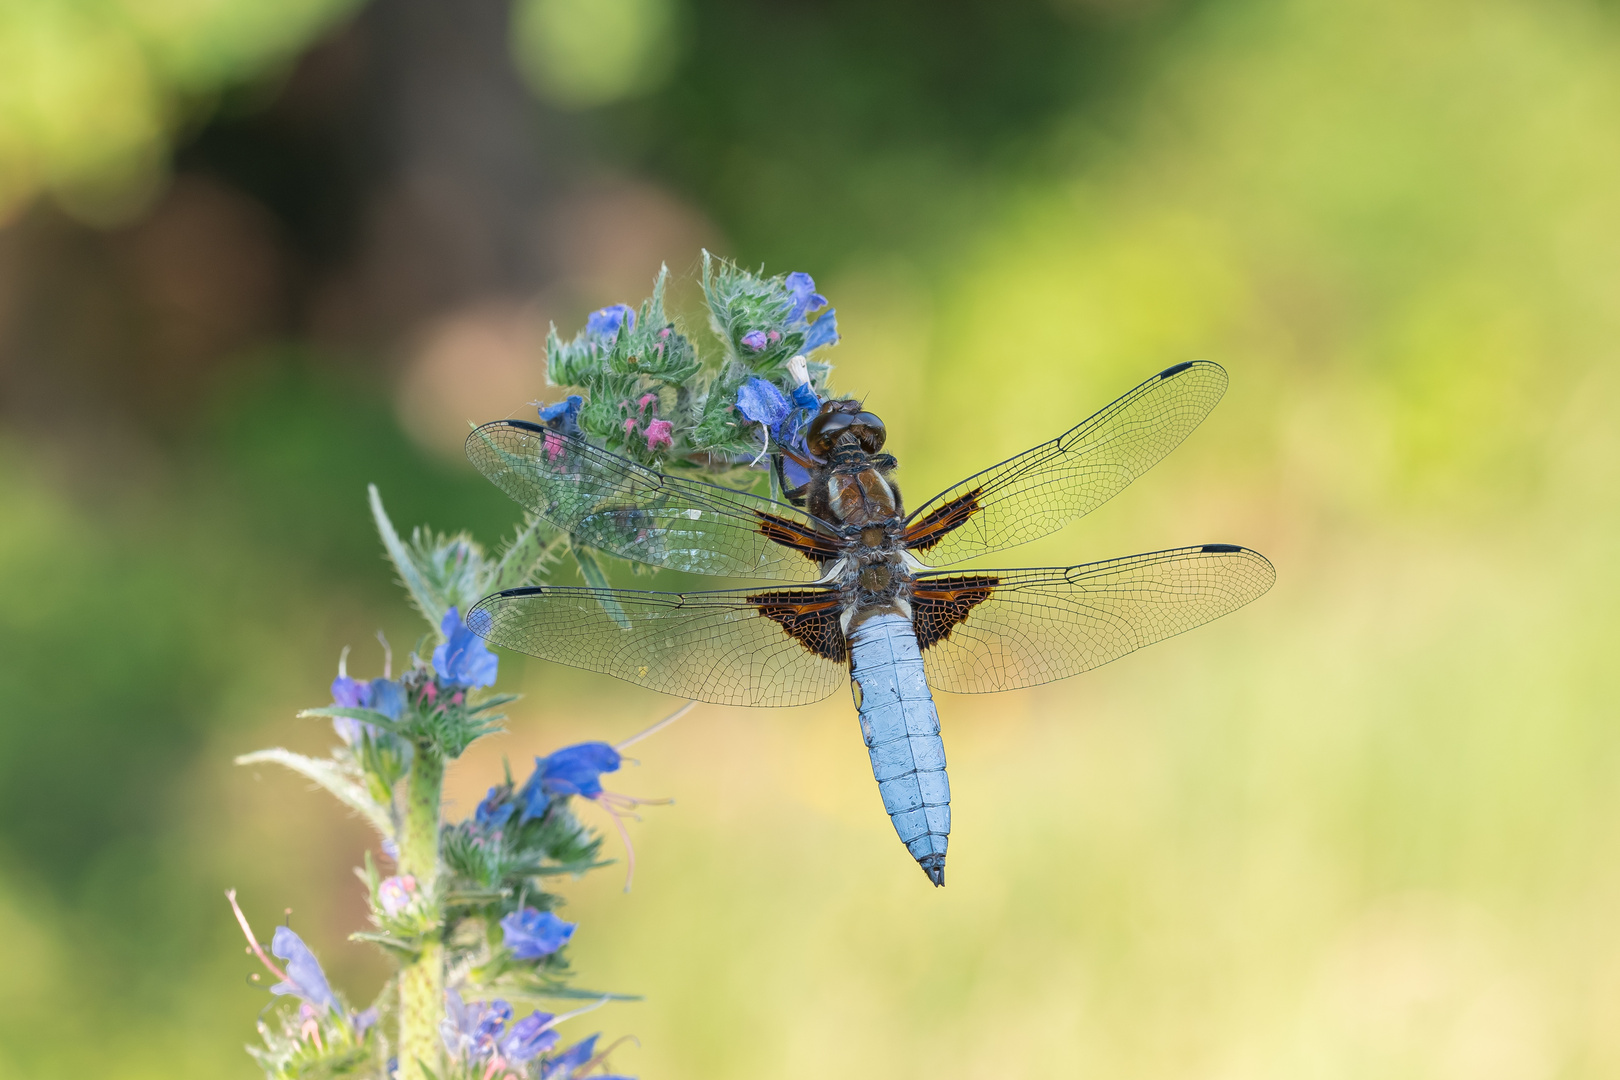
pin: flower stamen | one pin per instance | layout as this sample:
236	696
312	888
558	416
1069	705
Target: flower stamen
253	942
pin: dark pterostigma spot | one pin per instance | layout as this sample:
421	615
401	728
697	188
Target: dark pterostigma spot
1178	369
538	429
1222	548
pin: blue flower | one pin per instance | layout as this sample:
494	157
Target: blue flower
494	811
460	1019
804	396
380	695
609	319
387	697
470	1029
489	1026
305	979
563	1065
762	403
822	332
755	340
564	415
805	297
463	659
529	1037
573	770
532	934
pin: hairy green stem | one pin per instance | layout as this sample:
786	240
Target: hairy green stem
421	984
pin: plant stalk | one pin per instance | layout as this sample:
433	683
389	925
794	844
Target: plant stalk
421	984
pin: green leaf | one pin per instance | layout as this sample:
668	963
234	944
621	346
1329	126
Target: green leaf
416	584
537	988
571	868
404	949
332	776
493	703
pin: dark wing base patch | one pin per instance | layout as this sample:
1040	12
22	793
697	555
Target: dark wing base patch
810	618
791	534
931	529
939	604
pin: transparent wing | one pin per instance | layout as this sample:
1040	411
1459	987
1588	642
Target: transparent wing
611	503
1043	489
1005	629
730	646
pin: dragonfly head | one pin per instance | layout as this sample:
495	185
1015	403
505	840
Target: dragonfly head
844	423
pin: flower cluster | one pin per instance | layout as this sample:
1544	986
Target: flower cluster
464	910
482	1038
644	392
322	1032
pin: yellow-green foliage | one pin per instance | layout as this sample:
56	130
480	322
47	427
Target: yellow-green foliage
1368	827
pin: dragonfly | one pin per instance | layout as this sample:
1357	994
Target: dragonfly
851	586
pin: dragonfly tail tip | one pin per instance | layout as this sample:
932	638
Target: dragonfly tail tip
934	867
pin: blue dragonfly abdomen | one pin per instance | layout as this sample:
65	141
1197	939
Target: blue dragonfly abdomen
901	728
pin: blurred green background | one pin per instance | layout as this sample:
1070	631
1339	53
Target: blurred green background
257	255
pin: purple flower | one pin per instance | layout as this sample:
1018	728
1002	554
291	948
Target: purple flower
805	297
563	1065
305	979
494	811
609	319
564	415
379	695
463	659
470	1029
350	693
457	1026
755	340
395	894
532	934
529	1037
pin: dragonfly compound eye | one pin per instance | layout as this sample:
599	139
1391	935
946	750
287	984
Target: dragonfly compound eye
824	431
869	429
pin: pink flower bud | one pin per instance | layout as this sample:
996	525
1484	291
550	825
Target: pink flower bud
659	435
395	894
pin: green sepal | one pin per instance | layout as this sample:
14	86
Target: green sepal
367	716
398	947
